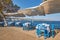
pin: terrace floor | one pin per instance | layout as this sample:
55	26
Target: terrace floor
16	33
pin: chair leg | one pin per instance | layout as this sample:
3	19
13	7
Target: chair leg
53	34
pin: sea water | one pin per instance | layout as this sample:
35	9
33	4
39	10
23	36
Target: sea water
34	23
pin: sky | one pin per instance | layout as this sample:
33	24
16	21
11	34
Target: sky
27	3
31	3
53	17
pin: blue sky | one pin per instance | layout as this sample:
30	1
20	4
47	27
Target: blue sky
27	3
31	3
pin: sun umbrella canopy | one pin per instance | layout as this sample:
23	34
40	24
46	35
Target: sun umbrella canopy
47	7
33	11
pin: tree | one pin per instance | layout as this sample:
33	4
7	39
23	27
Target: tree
3	4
